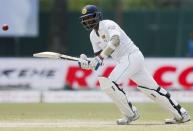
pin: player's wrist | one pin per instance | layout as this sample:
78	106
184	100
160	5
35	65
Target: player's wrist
100	57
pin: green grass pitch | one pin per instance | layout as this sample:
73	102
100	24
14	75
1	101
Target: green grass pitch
84	117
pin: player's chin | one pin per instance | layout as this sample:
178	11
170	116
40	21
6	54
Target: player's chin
92	26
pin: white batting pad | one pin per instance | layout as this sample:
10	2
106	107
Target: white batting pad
117	96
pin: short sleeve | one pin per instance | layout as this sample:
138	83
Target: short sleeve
112	28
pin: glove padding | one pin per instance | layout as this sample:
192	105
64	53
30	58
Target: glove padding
95	62
84	62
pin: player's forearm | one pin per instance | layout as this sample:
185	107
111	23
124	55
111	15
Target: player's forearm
112	45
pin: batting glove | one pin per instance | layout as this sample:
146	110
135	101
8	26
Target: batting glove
96	62
84	62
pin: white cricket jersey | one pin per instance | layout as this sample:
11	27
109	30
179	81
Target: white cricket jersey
107	29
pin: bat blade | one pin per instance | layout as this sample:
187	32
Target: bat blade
54	55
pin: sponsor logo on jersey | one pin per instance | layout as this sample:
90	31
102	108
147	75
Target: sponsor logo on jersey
112	27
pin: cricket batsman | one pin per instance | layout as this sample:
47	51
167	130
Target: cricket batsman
109	40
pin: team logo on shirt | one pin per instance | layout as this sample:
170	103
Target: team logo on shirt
103	36
84	11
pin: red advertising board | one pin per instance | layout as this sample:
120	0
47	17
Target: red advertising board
169	73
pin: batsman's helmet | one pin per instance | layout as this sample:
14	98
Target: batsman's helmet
90	16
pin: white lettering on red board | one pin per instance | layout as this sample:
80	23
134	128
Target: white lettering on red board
160	75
